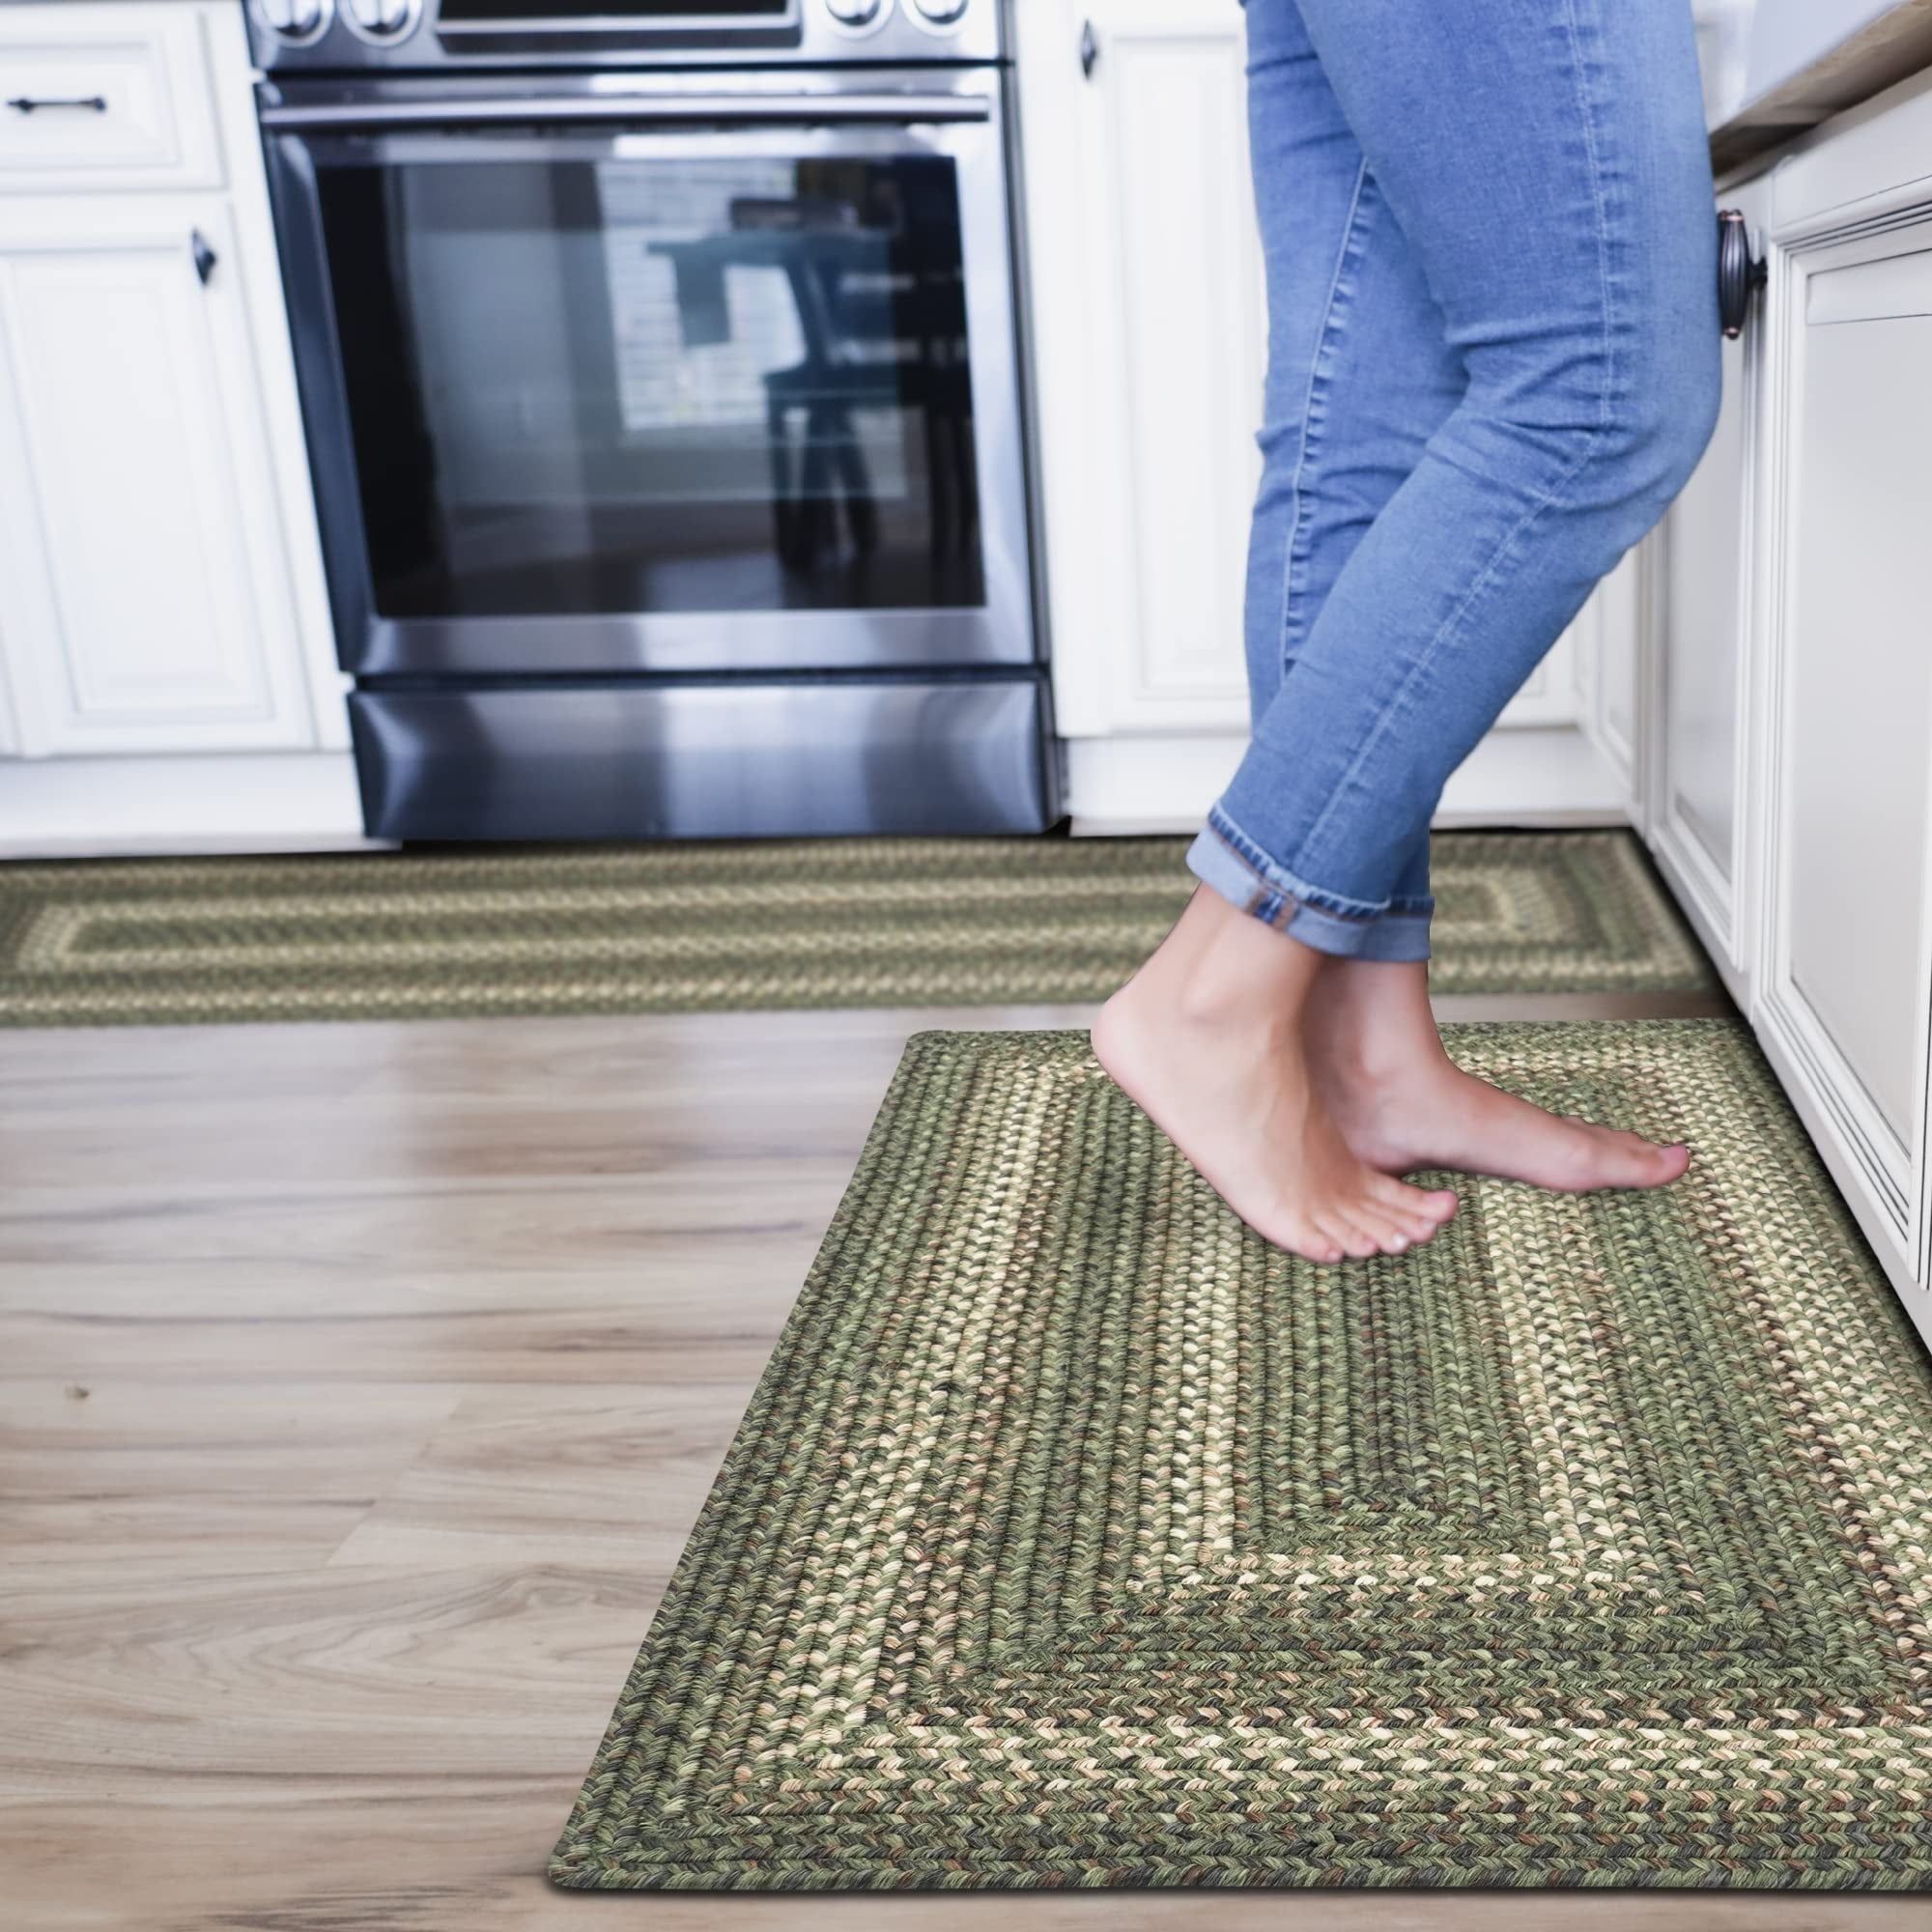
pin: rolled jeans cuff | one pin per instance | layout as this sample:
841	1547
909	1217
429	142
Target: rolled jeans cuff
1225	858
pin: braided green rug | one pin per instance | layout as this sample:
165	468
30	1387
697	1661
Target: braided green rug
683	929
1073	1536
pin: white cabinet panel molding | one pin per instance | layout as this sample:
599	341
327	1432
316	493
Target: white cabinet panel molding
162	587
1699	773
131	93
1608	659
1148	326
142	592
1187	268
1847	793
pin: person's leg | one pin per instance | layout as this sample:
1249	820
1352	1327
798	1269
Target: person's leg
1360	375
1613	428
1546	160
1361	372
1207	1036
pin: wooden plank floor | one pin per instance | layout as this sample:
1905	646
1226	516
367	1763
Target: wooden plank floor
357	1386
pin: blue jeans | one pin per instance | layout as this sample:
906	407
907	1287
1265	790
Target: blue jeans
1493	361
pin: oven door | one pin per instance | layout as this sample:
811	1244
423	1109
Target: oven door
631	376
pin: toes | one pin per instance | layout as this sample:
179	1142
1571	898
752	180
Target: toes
1352	1234
1418	1212
1306	1238
1635	1162
1393	1239
1394	1229
1669	1164
1342	1227
1386	1218
1391	1231
1419	1230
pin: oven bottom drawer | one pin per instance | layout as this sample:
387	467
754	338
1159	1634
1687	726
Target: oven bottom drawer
703	760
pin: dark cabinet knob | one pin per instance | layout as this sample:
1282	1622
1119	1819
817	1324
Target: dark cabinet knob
205	257
1737	274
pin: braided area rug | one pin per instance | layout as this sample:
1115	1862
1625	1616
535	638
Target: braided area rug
1074	1537
702	927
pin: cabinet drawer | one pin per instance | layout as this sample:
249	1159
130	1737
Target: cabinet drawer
105	97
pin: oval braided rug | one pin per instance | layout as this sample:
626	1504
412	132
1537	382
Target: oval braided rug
1074	1537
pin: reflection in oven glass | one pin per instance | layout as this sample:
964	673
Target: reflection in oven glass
658	385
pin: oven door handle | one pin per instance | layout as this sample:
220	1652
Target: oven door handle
635	109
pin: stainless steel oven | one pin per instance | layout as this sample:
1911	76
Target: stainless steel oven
661	374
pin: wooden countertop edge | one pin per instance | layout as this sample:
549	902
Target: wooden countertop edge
1886	52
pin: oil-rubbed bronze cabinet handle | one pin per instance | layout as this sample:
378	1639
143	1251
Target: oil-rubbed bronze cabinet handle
28	103
1737	274
1089	48
205	257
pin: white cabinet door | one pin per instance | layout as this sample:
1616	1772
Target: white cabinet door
144	601
1703	558
1848	940
1148	323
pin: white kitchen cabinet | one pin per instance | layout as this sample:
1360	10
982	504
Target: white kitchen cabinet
1149	325
1786	731
162	592
1848	703
141	595
1789	710
1701	558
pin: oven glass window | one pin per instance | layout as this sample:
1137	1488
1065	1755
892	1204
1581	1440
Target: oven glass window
695	383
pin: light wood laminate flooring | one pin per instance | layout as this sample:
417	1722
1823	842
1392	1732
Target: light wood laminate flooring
358	1388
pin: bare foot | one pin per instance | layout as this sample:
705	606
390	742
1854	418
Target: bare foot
1207	1039
1401	1103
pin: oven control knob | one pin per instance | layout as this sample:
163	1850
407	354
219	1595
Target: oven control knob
857	12
940	13
294	21
384	20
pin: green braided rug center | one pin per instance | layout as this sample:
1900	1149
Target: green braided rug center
1075	1537
682	928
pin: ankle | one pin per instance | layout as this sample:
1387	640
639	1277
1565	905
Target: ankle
1374	1049
1222	971
1256	991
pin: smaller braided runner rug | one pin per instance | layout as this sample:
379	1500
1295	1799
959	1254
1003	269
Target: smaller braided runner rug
721	928
1075	1537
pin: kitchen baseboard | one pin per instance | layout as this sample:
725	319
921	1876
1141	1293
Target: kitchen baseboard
237	802
1535	776
64	808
